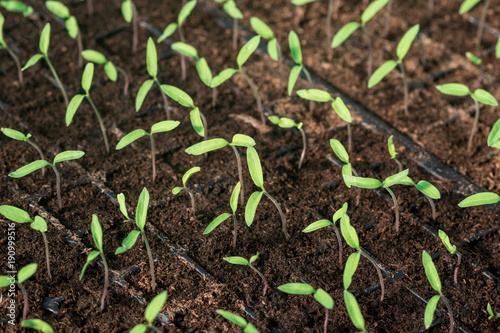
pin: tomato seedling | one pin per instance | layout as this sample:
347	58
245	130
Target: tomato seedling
109	68
494	136
453	250
5	46
240	321
491	314
16	135
151	312
393	153
129	13
466	6
295	49
273	47
233	11
185	178
17	6
347	169
245	262
37	324
24	273
284	122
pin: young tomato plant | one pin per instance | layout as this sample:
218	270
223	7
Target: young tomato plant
130	16
295	49
479	96
466	6
16	135
17	6
33	166
354	311
494	136
240	321
453	250
4	46
387	67
273	47
347	169
289	123
491	314
185	178
233	11
160	127
393	153
245	262
97	235
319	294
24	273
37	324
109	68
151	313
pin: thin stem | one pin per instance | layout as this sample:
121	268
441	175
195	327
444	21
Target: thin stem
329	26
165	99
18	64
235	34
283	218
262	277
256	94
455	274
26	303
396	207
450	313
40	152
54	73
135	38
90	7
235	230
309	81
58	186
326	320
47	254
387	19
339	240
193	205
400	166
304	145
430	6
214	97
379	272
106	281
125	77
280	63
240	174
405	86
183	58
433	206
358	196
205	126
151	262
370	57
80	48
481	22
101	124
349	137
153	156
154	328
474	127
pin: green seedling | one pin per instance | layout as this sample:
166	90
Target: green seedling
238	140
497	49
223	217
325	223
4	46
9	281
319	295
479	199
347	169
245	262
240	321
435	282
16	135
172	27
233	11
130	16
354	311
20	216
491	314
88	74
33	166
185	178
478	62
60	10
44	49
273	47
289	123
37	324
479	96
351	237
97	235
429	191
393	153
160	127
338	106
453	250
17	6
150	314
295	49
255	169
466	6
348	29
109	68
494	136
388	66
140	220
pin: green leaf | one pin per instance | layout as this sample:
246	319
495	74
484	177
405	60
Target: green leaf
323	298
455	89
176	190
406	41
274	119
253	258
250	329
32	61
197	122
251	207
473	59
233	11
233	202
185	49
29	168
5	281
73	106
68	155
294	44
292	79
16	6
204	71
110	70
494	135
26	272
372	9
431	272
392	149
15	214
222	77
395	179
284	122
94	56
127	10
272	49
247	50
261	28
482	96
344	33
339	213
242	140
58	9
381	72
37	324
188	175
317	225
169	30
232	318
368	183
339	150
206	146
185	11
490	311
296	288
45	39
302	2
341	109
139	328
2	21
164	126
347	171
128	242
88	74
131	137
446	241
141	95
428	189
216	222
123	205
96	232
151	58
142	209
236	260
467	5
155	306
316	95
354	311
349	232
39	224
13	134
72	27
255	167
408	182
350	268
429	311
485	198
497	49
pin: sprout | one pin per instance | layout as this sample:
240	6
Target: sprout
17	6
479	96
347	30
60	10
243	261
151	312
354	311
255	169
494	136
33	166
240	321
20	216
37	324
44	49
185	178
24	273
170	29
88	74
289	123
453	250
273	47
466	6
388	66
339	150
233	11
109	68
435	282
294	43
393	153
319	294
478	199
3	45
129	13
140	220
160	127
16	135
97	235
490	312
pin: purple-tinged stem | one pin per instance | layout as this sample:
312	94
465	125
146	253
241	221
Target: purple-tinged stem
263	279
106	281
304	146
379	272
339	240
40	152
47	254
153	156
455	274
396	207
58	186
151	262
26	303
235	231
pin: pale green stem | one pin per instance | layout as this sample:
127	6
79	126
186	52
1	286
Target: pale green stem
474	126
400	166
58	80
106	281
256	95
153	156
349	137
405	86
379	272
433	206
39	152
47	254
481	21
151	262
165	99
304	145
58	186
193	205
309	81
18	64
183	58
240	174
99	119
396	207
283	218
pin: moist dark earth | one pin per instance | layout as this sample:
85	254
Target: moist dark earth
439	124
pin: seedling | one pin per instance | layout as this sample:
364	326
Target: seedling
185	178
255	169
393	153
150	314
3	45
497	49
37	324
223	217
289	123
109	68
233	11
294	44
20	216
273	47
429	191
16	135
140	220
466	6
172	27
97	235
17	6
479	96
60	10
354	311
44	49
33	166
387	67
130	16
325	223
347	169
245	262
240	140
160	127
240	321
494	136
319	294
453	250
491	314
435	282
348	29
338	106
479	199
24	273
88	74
